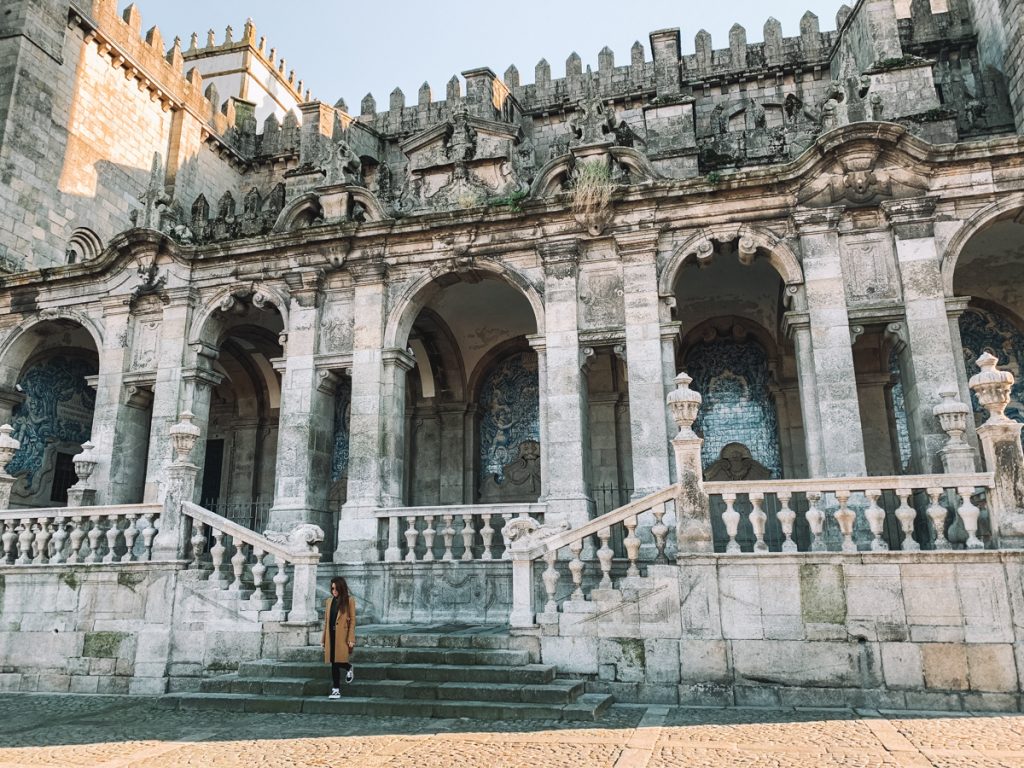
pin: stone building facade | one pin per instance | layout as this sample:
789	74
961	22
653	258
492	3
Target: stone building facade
483	299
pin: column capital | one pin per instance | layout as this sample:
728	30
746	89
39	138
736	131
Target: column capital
793	321
201	377
635	246
560	258
368	270
305	287
399	358
912	218
537	342
670	331
956	306
184	294
818	220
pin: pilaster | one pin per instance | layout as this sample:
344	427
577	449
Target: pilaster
830	356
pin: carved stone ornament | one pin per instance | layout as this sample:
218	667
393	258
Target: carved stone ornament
85	462
8	445
992	388
300	539
524	532
735	463
184	436
952	416
684	404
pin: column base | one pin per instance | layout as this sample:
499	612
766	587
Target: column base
357	540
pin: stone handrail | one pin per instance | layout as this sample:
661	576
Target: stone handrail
460	530
296	548
844	513
78	535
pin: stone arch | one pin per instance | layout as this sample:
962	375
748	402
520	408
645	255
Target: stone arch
701	247
551	176
16	349
83	245
300	213
442	367
205	326
420	291
1010	207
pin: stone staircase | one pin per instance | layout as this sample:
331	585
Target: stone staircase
442	671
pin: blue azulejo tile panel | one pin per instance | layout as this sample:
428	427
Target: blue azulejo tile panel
899	412
342	416
982	330
738	407
58	408
510	408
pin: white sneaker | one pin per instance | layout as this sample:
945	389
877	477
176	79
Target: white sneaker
350	675
335	694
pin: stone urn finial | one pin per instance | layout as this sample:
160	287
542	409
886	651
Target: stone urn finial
8	446
85	462
184	435
684	403
952	416
992	388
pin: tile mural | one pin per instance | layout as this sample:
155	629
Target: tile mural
982	330
510	404
342	417
732	376
58	408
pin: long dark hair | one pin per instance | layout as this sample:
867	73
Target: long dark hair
339	583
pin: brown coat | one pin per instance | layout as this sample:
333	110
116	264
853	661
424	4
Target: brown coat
344	632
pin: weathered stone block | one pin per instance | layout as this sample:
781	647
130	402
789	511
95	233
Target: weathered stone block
103	644
945	666
575	655
822	593
902	665
628	656
991	667
704	661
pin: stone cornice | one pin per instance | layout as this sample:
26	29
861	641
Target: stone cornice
399	358
911	218
637	246
818	220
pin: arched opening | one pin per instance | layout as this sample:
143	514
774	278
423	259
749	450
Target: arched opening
51	372
472	404
242	410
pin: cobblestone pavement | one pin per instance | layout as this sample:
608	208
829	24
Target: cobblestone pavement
118	732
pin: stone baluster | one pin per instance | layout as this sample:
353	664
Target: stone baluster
937	514
815	521
604	557
487	534
60	539
77	536
467	537
217	557
428	538
969	514
237	568
148	534
198	542
758	521
411	534
113	534
576	566
25	537
731	518
659	530
876	520
41	545
131	532
845	517
8	447
9	539
786	517
550	578
94	536
258	598
447	536
906	514
280	580
393	554
507	517
632	545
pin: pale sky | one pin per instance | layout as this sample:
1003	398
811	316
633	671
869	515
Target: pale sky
346	49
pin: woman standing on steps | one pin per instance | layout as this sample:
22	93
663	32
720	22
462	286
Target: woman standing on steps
339	634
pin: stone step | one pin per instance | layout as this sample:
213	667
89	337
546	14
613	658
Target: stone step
555	692
525	674
588	707
366	653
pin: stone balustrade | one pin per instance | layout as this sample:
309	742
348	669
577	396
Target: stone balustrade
79	535
906	512
455	533
250	555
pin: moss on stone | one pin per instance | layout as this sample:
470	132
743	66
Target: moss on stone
822	593
633	652
69	579
103	645
130	580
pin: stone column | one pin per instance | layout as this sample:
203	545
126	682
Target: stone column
932	360
874	415
955	307
565	485
167	389
397	363
831	356
797	326
669	334
8	447
357	527
451	486
1000	442
538	345
303	470
647	424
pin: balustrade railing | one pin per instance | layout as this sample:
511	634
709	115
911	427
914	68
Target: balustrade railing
79	535
905	512
240	557
453	533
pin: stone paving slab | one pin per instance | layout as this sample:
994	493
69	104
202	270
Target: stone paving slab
122	732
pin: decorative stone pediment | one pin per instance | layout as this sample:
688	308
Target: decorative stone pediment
861	180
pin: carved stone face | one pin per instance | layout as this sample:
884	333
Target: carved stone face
738	456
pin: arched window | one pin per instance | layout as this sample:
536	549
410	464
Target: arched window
83	245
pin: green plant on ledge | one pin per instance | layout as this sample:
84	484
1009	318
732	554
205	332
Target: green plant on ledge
591	189
713	177
511	201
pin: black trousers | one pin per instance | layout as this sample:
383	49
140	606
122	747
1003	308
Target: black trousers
336	668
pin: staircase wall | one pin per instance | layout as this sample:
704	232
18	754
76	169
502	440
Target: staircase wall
894	630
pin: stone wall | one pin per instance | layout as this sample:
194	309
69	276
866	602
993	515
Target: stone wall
895	630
